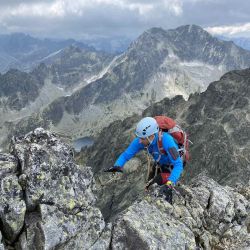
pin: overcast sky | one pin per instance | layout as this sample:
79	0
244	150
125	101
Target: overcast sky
87	18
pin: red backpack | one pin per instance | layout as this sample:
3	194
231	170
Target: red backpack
167	124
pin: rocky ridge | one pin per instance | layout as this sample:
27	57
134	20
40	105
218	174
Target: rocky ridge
74	67
47	203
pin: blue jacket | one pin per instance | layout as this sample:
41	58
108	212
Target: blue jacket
167	142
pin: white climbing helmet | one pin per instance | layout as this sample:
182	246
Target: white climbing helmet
146	127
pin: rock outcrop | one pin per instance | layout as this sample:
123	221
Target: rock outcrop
47	203
12	204
203	215
46	199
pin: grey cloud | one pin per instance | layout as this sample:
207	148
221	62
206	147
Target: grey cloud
111	20
15	3
108	20
223	12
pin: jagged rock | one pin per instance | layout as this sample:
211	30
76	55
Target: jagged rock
144	226
103	242
1	245
12	205
90	237
8	165
51	228
57	193
114	199
204	215
218	213
53	177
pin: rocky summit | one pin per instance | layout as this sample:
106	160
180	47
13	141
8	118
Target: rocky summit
47	203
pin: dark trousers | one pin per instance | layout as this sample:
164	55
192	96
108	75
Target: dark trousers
159	173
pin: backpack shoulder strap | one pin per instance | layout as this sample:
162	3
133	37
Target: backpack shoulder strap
159	143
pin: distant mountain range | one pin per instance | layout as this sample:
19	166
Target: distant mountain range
113	45
70	68
243	42
23	52
158	64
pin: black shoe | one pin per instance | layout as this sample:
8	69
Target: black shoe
167	193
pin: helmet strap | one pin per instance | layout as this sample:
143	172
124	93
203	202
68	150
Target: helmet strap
150	142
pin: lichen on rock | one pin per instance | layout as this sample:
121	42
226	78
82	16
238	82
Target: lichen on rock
12	205
56	203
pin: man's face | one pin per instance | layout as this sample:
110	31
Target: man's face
146	141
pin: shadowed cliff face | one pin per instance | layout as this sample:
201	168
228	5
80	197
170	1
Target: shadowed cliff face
47	202
218	124
18	89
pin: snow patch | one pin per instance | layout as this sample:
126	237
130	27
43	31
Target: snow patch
190	28
103	72
51	55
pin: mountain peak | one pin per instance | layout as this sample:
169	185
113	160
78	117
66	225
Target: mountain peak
183	34
193	30
190	27
73	49
156	30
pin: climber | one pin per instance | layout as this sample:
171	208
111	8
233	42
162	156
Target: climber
167	168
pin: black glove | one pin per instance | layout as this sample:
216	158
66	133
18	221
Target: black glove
113	169
167	192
